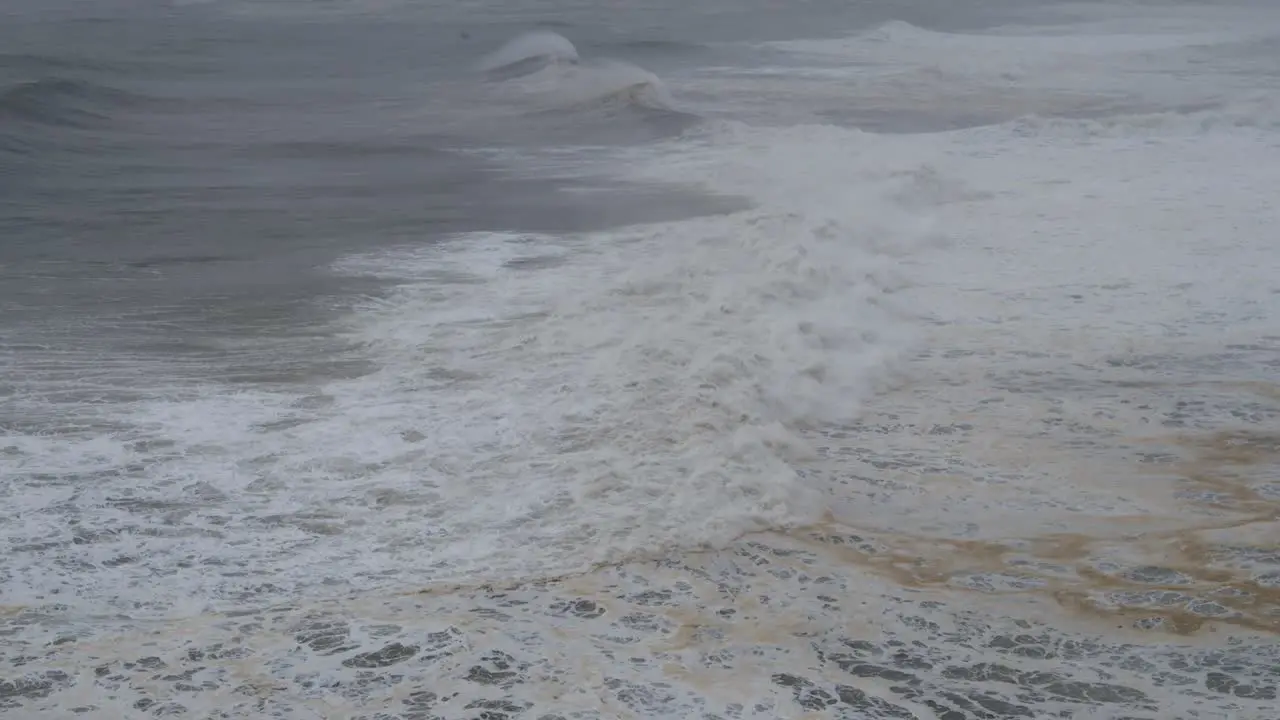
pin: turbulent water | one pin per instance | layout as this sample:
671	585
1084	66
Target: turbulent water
406	360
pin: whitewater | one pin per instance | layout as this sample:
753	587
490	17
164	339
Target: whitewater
959	401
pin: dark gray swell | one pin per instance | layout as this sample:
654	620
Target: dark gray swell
175	183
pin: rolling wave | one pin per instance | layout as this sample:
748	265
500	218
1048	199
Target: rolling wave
597	85
62	102
527	53
43	114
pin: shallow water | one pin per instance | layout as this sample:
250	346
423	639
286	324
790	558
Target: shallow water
370	360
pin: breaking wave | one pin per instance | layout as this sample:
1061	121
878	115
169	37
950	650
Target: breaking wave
528	52
541	79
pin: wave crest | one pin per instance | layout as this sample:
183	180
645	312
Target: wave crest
529	51
898	31
540	75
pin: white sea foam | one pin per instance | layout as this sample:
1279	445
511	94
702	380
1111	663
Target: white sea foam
589	399
654	391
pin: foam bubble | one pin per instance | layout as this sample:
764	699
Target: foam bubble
773	627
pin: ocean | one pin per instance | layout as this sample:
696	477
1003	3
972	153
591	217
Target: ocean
403	359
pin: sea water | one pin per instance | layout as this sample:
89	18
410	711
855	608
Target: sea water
568	360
